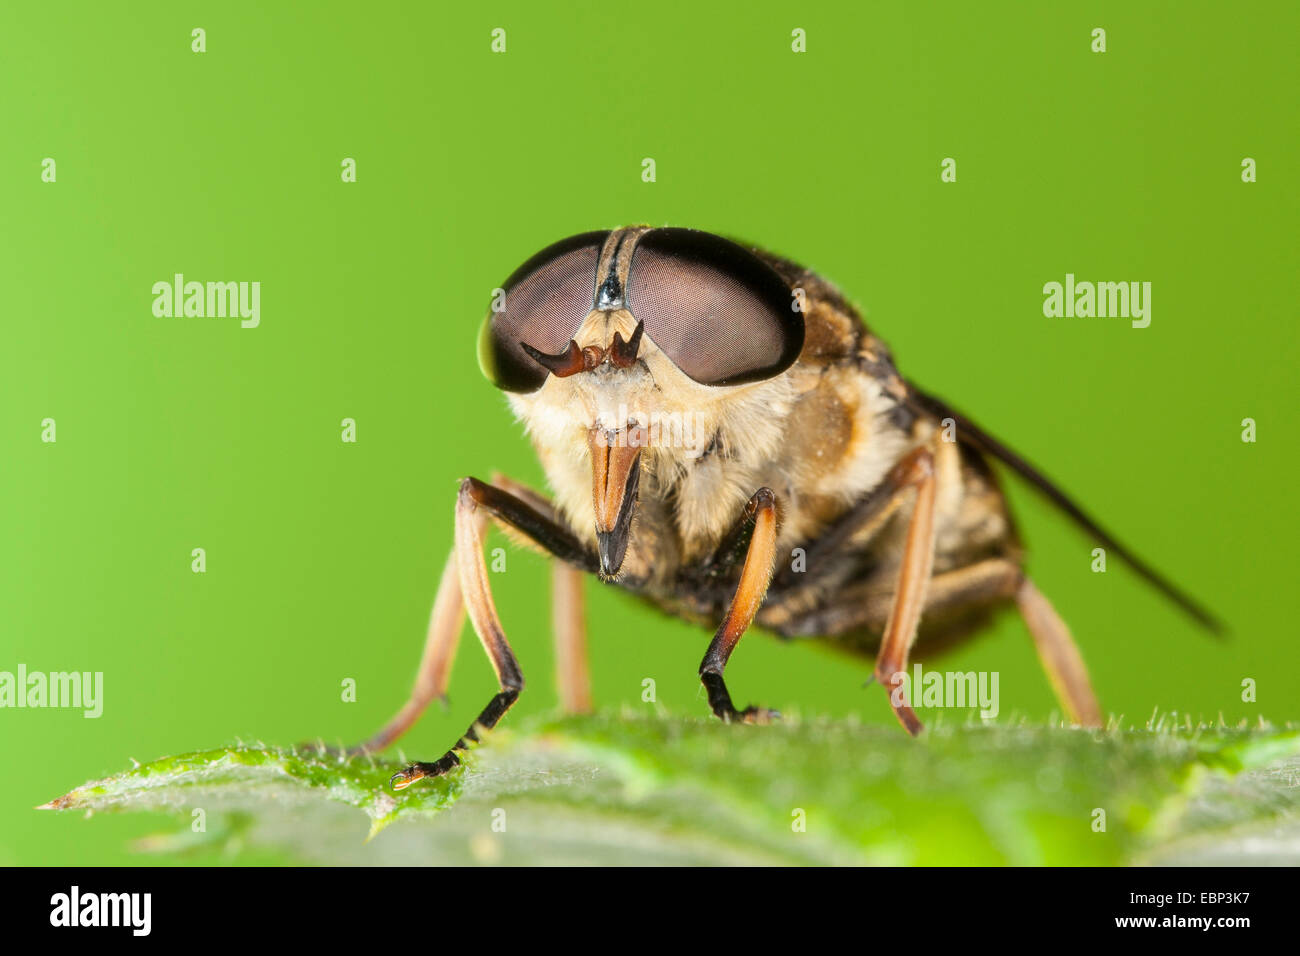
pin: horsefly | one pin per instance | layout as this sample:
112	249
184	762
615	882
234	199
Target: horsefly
725	438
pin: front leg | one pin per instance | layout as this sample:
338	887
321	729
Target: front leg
531	521
755	576
472	574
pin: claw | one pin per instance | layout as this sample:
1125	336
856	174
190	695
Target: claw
418	771
404	778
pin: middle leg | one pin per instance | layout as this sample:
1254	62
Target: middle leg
917	471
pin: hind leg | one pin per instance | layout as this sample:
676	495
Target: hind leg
991	582
1060	656
985	585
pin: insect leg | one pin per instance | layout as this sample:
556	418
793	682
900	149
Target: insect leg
760	559
988	582
483	615
572	679
915	470
1060	656
472	569
513	506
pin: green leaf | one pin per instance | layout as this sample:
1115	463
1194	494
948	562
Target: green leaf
632	788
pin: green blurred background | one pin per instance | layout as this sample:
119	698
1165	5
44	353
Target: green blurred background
322	557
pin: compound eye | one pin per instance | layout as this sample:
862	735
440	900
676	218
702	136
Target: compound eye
721	314
545	301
